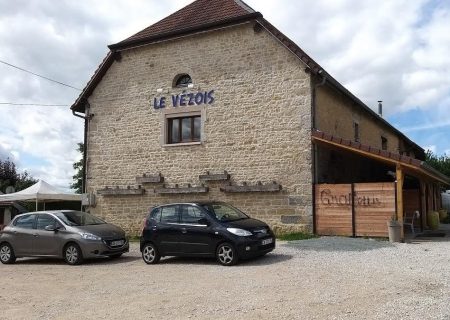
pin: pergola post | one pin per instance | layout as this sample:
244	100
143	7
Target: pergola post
423	203
399	185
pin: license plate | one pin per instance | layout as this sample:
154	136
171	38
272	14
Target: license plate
117	243
266	241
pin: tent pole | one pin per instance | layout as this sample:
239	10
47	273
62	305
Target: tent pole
36	204
44	205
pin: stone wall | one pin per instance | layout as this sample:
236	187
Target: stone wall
335	114
258	128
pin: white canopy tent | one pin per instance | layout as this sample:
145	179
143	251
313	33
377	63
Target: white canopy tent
40	192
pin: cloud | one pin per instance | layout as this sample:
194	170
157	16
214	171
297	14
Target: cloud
431	148
396	51
5	153
372	49
427	126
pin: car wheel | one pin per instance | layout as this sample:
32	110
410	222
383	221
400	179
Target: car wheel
7	254
150	254
226	254
73	254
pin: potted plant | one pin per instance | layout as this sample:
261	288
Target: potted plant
433	220
394	229
442	214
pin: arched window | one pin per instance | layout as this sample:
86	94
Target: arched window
182	81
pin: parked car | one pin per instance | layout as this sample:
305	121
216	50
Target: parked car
204	229
71	235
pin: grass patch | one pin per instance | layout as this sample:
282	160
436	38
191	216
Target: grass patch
296	236
134	238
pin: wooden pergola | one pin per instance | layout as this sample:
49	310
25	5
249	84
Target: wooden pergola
430	179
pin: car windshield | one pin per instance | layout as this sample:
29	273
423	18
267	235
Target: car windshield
224	212
78	218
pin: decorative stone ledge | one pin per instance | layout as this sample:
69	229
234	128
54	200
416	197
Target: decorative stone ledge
215	177
148	178
178	190
259	187
117	191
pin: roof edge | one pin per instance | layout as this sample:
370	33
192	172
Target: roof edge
181	32
317	69
244	6
290	45
350	95
384	154
78	105
425	166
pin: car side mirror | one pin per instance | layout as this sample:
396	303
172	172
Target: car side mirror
51	228
204	221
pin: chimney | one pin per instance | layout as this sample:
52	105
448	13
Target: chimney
380	108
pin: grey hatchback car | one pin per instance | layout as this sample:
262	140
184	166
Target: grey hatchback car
71	235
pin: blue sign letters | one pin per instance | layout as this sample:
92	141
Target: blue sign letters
185	99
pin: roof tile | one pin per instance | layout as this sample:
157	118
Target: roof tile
196	14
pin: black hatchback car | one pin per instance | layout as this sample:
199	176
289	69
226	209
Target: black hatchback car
204	229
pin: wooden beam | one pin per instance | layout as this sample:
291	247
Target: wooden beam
399	185
423	204
413	169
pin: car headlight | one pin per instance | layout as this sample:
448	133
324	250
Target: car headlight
239	232
90	236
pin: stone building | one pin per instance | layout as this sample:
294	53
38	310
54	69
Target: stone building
214	103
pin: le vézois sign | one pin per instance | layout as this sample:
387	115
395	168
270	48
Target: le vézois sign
184	99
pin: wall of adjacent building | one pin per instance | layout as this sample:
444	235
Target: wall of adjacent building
336	115
258	128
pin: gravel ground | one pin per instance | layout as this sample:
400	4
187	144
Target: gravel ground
325	278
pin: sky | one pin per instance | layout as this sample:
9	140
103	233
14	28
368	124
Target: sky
396	51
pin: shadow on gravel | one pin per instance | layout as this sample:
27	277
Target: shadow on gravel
269	259
338	244
56	261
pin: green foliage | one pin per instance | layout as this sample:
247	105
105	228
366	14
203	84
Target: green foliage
440	163
77	184
296	236
447	220
134	238
10	177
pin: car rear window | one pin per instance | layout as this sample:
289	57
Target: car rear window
169	214
25	222
155	214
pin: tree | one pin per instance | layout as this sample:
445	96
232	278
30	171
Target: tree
440	163
10	177
77	184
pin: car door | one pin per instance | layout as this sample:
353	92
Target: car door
22	235
197	235
46	243
168	230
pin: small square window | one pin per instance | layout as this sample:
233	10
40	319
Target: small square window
183	129
356	131
182	126
384	143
